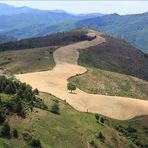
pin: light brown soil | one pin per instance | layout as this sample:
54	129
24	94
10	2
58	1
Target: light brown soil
55	82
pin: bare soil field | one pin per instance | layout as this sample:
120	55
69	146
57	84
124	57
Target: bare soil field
55	82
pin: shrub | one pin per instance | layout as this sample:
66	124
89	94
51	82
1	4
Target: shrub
92	142
36	143
5	131
100	136
131	129
15	133
97	117
2	117
36	91
55	108
102	120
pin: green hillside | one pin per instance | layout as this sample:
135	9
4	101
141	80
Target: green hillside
70	128
29	118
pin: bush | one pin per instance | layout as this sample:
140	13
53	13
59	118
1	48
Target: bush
2	117
97	117
131	129
36	143
5	131
92	142
20	109
15	133
55	108
100	136
36	91
102	120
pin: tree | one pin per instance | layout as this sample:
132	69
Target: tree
5	131
55	108
20	109
71	87
15	133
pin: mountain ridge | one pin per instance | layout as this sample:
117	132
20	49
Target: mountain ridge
34	23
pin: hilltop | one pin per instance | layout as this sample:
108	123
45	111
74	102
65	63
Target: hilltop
115	54
55	82
52	122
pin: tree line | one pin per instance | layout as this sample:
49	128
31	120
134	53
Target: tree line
62	38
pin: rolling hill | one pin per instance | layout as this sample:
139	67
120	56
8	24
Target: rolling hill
116	55
51	122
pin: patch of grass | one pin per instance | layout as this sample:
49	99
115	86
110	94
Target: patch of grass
98	81
27	60
5	97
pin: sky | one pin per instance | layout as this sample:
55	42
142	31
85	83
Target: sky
76	7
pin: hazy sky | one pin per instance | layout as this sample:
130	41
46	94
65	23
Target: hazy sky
121	7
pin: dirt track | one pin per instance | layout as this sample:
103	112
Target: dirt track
55	82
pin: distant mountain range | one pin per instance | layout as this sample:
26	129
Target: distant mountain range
25	22
133	28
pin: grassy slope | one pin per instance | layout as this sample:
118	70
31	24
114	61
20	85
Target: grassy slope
118	56
27	60
111	83
73	129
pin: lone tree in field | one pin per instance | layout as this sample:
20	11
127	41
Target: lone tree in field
71	87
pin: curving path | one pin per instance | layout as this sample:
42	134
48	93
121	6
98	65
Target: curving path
55	82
